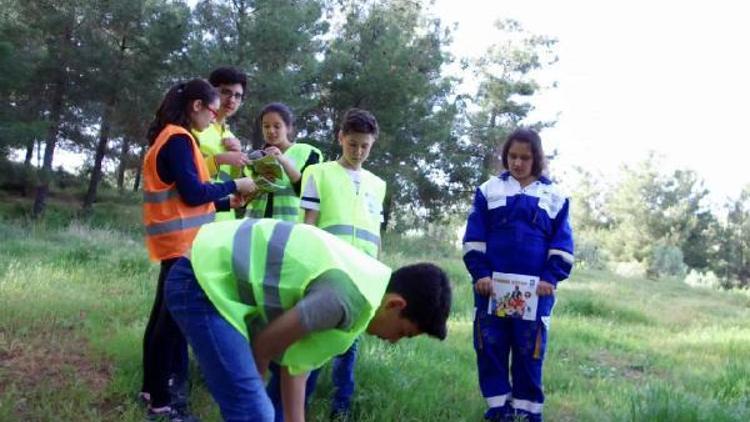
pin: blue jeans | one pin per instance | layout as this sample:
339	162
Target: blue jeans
224	355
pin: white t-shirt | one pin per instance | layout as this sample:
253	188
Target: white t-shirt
311	191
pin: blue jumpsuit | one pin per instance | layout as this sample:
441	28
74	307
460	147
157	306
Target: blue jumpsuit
524	231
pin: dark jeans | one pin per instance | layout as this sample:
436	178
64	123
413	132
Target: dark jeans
165	353
224	354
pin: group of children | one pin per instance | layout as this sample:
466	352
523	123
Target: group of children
298	282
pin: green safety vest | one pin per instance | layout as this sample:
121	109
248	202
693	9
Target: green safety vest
285	201
210	144
242	265
353	217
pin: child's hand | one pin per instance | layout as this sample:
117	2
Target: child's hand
545	288
232	144
273	151
483	286
237	201
245	185
233	158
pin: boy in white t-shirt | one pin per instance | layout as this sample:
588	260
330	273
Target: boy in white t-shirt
346	200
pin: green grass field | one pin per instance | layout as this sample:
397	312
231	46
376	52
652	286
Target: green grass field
74	300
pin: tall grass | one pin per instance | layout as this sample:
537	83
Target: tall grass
74	299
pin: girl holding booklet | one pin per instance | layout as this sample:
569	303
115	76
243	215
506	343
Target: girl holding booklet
518	233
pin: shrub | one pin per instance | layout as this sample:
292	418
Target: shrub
700	279
666	260
628	269
590	253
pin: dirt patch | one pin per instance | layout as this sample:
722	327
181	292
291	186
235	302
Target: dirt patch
628	370
50	362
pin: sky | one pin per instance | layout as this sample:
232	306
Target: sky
634	76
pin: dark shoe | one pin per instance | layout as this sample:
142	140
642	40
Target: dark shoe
168	414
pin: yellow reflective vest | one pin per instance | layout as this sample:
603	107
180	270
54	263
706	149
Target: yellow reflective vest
243	265
210	140
355	217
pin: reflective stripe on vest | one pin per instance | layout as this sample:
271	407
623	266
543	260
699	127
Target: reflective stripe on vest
241	261
344	230
179	224
274	258
157	197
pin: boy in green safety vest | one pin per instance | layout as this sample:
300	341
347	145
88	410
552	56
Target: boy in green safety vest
345	200
220	148
251	292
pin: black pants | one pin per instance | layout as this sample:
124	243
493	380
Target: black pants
165	353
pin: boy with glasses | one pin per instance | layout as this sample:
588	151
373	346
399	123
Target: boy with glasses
220	148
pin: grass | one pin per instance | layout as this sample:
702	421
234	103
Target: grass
74	300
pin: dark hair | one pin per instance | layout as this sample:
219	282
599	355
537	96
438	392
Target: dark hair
228	76
427	292
360	121
532	138
175	107
281	109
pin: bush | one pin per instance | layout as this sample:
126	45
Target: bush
590	253
628	269
699	279
666	260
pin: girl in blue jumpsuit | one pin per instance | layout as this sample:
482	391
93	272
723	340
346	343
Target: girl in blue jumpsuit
518	224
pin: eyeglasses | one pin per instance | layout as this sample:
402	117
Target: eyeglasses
239	96
213	112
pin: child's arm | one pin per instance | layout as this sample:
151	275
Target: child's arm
277	337
293	395
311	217
310	200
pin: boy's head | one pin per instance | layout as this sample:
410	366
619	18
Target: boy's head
359	130
231	84
417	301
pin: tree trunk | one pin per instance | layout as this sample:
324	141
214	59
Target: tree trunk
137	182
124	147
40	200
101	150
101	146
29	153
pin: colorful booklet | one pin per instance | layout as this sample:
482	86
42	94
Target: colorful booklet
514	296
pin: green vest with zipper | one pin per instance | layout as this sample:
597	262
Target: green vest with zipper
285	200
243	265
210	141
354	217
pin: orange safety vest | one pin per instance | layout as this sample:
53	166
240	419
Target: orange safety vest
171	224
